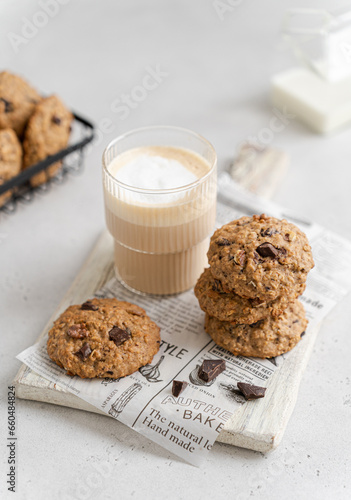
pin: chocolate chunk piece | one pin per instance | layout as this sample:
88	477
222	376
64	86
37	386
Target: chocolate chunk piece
257	258
250	391
178	387
55	119
210	369
268	232
119	336
267	250
89	306
254	325
8	105
223	242
84	352
77	331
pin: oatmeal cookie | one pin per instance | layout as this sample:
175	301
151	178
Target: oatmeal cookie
103	338
10	159
231	307
17	102
264	339
47	133
260	257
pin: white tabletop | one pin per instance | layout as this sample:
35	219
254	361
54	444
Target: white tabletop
214	78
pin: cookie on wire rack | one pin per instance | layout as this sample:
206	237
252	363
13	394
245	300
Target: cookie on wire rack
10	159
47	132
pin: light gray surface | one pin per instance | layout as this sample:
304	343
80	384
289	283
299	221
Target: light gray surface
218	71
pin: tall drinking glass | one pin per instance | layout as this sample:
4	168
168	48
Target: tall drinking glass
160	235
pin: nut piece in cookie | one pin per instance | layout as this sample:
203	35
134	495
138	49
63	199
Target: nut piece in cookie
103	338
10	159
47	133
260	257
17	102
264	339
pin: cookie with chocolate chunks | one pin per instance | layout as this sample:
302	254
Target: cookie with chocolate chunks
47	132
229	306
264	339
263	257
10	160
17	102
103	338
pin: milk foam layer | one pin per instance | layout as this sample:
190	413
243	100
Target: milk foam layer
152	172
156	168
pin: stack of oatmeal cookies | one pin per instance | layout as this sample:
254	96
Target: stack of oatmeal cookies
258	269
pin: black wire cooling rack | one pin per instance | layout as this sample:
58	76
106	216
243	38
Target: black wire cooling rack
72	162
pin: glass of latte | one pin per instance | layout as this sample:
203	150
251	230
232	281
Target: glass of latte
160	189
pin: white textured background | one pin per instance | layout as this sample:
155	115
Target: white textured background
91	53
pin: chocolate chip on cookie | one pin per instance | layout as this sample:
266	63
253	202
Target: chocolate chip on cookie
77	331
267	250
84	352
8	105
89	306
223	242
268	232
55	119
119	336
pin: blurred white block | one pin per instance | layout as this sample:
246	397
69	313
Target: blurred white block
322	105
